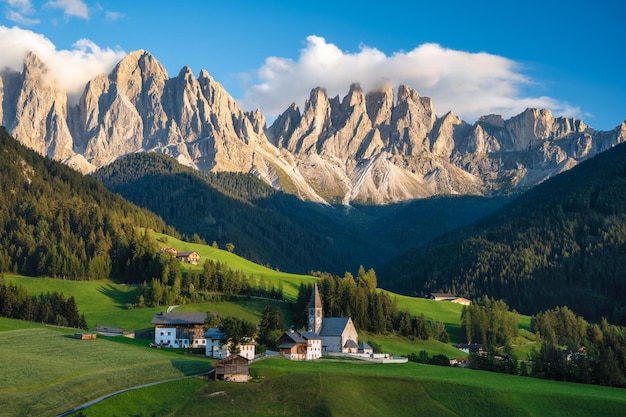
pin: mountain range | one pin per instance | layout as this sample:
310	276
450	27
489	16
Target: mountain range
377	147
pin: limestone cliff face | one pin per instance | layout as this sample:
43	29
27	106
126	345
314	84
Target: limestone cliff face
367	146
35	109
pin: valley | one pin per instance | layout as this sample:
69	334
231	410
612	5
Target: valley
147	194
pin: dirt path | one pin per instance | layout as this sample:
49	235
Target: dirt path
104	397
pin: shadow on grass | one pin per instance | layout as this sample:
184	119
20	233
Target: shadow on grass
192	367
121	298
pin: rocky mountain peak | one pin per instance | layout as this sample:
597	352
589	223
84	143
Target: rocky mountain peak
363	147
379	105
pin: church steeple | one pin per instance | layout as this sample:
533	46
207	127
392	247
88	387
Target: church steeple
315	311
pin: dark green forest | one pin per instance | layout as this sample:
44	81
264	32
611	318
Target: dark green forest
561	243
56	222
277	229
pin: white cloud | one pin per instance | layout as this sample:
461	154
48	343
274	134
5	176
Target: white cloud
113	16
71	68
20	19
469	84
75	8
18	12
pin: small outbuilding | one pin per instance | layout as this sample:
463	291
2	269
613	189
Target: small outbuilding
233	368
85	336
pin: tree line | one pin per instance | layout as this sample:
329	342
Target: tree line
561	243
571	349
56	222
50	308
370	309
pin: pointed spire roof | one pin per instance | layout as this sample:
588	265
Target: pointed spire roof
315	301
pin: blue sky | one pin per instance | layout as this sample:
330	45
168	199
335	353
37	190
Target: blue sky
473	58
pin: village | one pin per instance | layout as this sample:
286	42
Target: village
334	336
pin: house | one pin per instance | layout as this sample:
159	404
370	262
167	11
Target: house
179	329
171	251
216	349
470	347
462	301
441	296
188	257
234	368
459	362
85	336
300	346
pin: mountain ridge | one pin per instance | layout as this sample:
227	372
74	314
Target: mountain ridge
365	147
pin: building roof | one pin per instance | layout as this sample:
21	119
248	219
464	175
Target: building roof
180	319
310	336
334	326
350	344
213	333
293	338
184	254
442	295
232	358
364	346
316	300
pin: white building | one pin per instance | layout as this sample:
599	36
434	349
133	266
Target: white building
179	330
216	349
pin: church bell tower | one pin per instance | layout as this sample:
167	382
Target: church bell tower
315	311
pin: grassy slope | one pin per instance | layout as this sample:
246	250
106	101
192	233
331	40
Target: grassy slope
57	372
291	282
284	388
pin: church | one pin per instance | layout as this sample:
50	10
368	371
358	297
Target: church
336	334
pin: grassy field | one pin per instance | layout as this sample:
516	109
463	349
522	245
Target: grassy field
46	371
291	282
106	302
284	388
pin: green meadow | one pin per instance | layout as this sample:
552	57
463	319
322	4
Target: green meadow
323	388
46	371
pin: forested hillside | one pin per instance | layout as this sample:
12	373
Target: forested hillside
56	222
562	243
275	228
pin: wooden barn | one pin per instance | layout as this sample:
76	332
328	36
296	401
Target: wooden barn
233	368
85	336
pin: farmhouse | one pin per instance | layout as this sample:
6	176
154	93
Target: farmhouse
233	368
441	296
438	296
171	251
462	301
179	329
188	257
300	346
216	349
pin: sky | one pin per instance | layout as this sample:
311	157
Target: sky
471	57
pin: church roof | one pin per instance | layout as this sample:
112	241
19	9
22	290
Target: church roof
334	326
350	344
316	300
